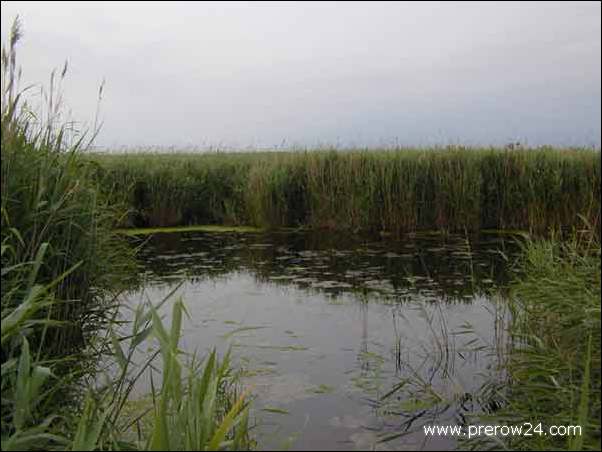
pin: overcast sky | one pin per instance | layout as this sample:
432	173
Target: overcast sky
365	74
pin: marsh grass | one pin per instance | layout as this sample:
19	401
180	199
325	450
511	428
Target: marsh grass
554	363
197	405
57	243
62	268
394	191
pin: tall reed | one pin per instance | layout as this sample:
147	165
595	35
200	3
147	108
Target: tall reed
454	189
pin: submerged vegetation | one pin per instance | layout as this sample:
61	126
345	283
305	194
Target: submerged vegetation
62	269
394	191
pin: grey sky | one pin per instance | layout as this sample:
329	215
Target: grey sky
241	74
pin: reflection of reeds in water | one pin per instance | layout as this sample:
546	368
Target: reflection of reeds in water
396	346
393	271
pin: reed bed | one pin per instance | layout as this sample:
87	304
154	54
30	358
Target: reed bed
553	367
402	190
62	269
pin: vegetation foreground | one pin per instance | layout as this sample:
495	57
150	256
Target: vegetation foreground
60	208
554	376
60	319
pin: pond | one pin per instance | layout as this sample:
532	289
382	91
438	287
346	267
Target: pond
346	343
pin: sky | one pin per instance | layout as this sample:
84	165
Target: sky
288	74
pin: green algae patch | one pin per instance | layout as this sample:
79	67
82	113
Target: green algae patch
199	228
274	410
321	389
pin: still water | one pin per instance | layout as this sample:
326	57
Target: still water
346	344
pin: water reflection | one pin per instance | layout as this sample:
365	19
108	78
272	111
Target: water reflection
344	342
437	267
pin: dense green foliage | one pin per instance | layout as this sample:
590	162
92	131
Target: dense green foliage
554	363
395	191
556	370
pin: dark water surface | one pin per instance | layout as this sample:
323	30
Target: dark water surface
343	342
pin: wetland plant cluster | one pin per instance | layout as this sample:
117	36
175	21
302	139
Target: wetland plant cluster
395	191
554	362
59	303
